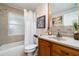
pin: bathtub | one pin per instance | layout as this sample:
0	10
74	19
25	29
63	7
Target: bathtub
12	49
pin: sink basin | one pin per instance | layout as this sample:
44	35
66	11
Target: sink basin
53	37
56	38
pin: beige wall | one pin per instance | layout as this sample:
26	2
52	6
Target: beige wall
3	24
4	38
78	12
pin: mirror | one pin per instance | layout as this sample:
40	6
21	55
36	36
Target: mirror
64	14
63	17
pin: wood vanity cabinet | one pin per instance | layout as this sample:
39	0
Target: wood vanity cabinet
47	48
43	48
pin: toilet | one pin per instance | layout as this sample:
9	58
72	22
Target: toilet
30	49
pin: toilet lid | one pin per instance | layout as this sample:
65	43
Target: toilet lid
31	46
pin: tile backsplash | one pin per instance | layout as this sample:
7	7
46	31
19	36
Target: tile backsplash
64	30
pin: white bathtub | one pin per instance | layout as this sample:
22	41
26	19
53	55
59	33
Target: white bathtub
12	49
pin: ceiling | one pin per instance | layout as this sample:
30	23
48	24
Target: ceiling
31	6
59	7
56	7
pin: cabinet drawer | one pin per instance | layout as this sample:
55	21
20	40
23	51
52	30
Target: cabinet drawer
43	42
64	51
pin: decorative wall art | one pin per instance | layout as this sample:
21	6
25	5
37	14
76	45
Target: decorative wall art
57	21
41	22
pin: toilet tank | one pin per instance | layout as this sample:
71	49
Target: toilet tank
36	39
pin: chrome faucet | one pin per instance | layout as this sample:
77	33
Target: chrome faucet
59	34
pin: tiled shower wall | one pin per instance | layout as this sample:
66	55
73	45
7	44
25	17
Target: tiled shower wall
4	38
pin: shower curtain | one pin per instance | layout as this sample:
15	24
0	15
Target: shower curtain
30	27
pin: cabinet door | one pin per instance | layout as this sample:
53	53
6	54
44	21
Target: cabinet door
63	51
55	51
43	48
44	51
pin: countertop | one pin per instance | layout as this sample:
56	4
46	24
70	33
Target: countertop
66	41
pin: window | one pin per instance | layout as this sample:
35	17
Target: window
69	18
15	24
